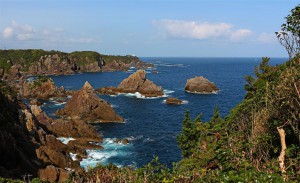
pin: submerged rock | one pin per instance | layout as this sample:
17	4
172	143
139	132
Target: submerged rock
174	101
86	105
136	82
200	85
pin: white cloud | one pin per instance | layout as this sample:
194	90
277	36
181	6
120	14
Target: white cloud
199	30
267	37
48	36
240	34
17	31
8	32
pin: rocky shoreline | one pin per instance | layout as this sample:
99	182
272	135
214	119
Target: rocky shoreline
33	136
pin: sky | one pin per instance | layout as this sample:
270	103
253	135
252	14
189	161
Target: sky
146	28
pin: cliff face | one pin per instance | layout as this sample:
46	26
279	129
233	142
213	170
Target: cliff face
28	140
14	63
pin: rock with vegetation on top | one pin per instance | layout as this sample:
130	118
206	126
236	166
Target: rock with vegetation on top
200	85
86	105
42	87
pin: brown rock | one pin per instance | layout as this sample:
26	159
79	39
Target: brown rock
53	174
174	101
85	104
133	82
136	82
75	128
14	73
50	173
37	102
149	89
123	141
200	85
42	88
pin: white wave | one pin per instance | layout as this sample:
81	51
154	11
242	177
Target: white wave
166	91
132	67
148	140
132	138
73	156
60	103
185	102
111	149
65	140
113	106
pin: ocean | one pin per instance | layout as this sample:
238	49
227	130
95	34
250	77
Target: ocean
150	125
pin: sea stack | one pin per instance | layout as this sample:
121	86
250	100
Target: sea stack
136	82
200	85
86	105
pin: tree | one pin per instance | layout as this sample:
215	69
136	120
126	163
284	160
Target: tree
189	135
289	36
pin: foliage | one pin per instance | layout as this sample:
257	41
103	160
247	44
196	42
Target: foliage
289	36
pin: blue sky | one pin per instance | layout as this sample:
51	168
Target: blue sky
190	28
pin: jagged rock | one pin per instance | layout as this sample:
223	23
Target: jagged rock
123	141
86	105
174	101
200	85
35	101
53	174
42	88
136	82
74	128
14	73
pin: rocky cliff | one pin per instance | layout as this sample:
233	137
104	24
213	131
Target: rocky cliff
14	63
28	140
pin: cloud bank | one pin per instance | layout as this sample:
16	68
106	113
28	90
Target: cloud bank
200	30
25	32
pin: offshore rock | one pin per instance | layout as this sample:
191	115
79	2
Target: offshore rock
200	85
86	105
136	82
174	101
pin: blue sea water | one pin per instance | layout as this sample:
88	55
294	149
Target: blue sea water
152	126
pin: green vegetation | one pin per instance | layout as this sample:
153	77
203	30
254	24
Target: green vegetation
259	141
23	57
27	58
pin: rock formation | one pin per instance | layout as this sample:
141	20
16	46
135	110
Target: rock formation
28	143
40	62
41	88
136	82
174	101
86	105
200	85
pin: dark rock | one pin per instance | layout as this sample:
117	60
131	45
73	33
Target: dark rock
122	141
200	85
174	101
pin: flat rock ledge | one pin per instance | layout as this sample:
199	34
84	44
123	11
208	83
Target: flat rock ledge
174	101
